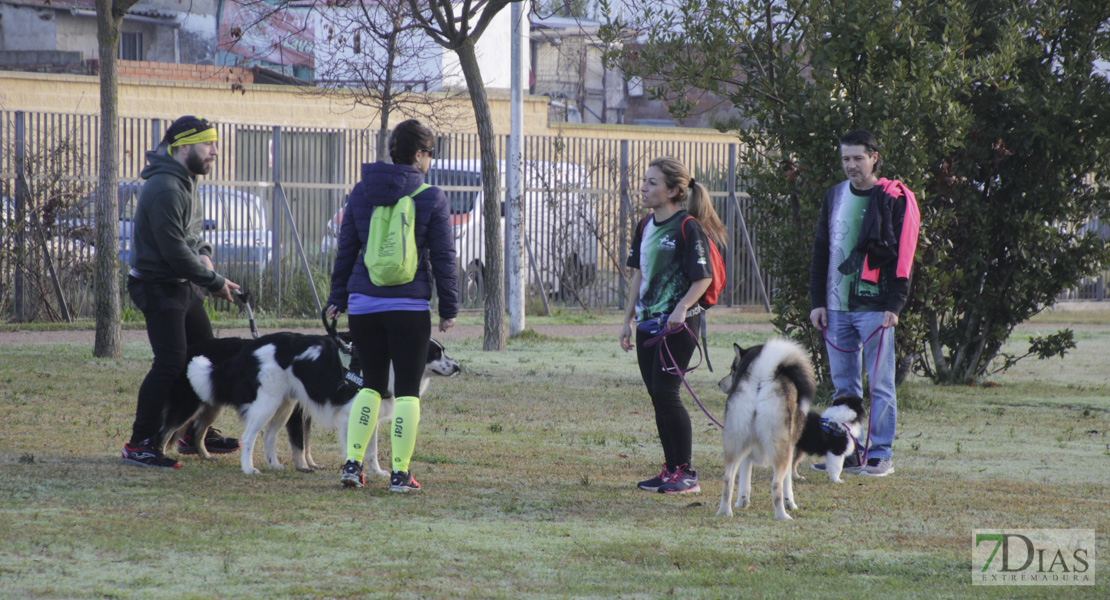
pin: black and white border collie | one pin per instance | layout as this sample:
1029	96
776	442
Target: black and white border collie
833	433
769	388
269	379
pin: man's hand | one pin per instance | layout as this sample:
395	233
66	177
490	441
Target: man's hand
820	318
445	324
228	291
889	319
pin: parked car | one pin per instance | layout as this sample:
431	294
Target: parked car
235	223
559	227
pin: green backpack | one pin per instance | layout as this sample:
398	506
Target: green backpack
391	255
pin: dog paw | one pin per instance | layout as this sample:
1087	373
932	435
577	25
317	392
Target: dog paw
251	471
791	505
797	476
742	502
783	517
837	480
724	511
306	469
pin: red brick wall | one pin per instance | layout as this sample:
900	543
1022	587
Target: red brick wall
142	69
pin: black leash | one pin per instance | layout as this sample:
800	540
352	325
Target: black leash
331	326
245	299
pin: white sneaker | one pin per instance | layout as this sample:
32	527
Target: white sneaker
877	467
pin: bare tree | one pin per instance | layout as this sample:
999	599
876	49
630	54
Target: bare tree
457	26
379	58
366	53
108	341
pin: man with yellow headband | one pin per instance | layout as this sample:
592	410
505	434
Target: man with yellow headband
171	272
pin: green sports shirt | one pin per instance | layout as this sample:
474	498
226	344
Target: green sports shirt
670	260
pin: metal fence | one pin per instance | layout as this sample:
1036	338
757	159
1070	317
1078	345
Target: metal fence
273	201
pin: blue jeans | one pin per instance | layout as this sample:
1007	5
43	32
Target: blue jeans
847	330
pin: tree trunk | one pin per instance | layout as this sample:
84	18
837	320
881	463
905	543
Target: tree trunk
387	99
493	270
108	341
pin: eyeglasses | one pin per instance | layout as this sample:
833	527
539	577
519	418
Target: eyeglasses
431	152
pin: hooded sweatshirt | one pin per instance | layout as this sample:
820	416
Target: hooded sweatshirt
383	184
168	221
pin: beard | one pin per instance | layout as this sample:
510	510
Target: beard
196	164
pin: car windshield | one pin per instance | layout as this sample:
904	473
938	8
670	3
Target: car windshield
461	201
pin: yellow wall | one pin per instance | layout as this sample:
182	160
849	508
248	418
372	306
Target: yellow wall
284	106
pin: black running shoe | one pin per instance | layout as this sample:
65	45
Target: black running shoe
683	480
653	484
144	454
403	481
213	441
352	476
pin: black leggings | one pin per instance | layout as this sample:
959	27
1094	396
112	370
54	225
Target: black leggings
400	336
175	318
671	418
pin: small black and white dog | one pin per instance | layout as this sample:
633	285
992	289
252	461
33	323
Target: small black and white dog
832	433
266	380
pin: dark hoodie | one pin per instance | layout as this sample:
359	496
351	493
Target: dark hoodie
384	184
168	221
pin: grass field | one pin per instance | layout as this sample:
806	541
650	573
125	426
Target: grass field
529	461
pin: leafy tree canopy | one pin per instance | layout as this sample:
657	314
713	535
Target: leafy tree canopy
995	112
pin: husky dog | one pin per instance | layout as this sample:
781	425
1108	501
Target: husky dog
769	388
267	380
833	433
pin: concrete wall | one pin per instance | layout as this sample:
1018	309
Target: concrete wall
190	39
285	106
27	28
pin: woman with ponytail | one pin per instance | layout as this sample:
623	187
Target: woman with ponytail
671	270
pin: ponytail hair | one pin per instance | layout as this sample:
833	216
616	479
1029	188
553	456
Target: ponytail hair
694	194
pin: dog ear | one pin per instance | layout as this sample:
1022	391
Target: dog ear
739	349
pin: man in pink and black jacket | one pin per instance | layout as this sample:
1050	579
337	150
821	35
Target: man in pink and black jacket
859	279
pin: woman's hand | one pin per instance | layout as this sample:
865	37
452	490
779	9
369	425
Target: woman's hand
677	318
626	336
445	324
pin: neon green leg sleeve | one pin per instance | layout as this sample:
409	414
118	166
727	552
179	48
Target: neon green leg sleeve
361	422
406	421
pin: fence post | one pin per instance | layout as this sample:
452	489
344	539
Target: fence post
276	210
21	194
730	262
625	214
750	246
155	132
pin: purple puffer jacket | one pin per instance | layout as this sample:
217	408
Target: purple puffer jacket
383	184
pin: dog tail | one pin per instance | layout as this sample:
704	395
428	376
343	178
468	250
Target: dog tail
796	369
200	374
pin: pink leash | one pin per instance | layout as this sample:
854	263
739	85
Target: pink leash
871	398
661	339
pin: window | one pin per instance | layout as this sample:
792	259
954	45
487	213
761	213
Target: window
130	45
